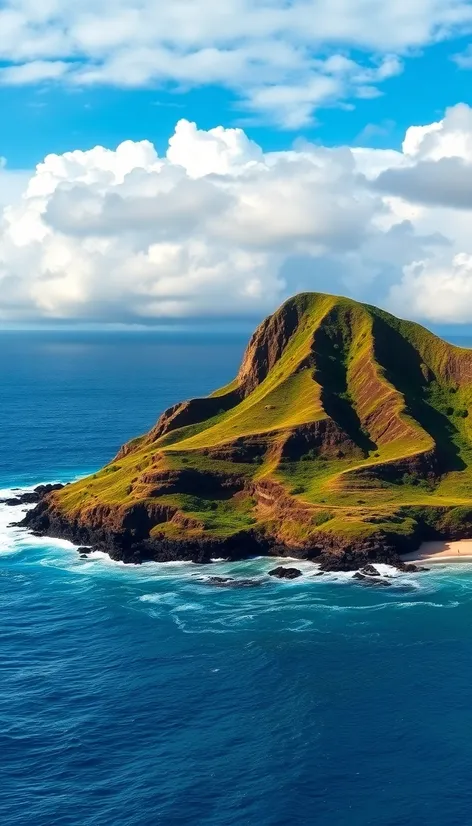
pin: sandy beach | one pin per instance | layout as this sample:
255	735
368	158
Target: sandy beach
430	552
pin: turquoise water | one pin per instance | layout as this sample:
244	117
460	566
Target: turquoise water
143	696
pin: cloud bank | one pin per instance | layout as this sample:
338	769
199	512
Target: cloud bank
282	59
218	227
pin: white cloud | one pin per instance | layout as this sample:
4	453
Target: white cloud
205	230
282	59
217	151
440	291
33	72
218	227
438	163
446	182
449	138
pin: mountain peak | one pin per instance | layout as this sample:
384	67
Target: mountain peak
346	431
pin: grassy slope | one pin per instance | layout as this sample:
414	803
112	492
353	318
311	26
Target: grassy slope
398	393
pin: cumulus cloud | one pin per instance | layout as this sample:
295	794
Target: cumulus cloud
283	59
218	227
436	290
450	137
446	182
101	234
438	163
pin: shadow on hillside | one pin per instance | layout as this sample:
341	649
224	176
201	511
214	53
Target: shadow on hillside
330	351
402	364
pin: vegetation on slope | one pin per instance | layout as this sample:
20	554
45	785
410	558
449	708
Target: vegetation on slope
344	425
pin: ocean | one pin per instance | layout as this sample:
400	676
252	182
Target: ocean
145	696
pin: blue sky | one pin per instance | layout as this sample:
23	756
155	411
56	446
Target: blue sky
204	159
50	117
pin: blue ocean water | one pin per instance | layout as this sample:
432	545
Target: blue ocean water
144	696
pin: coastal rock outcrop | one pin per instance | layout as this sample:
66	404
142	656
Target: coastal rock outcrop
31	497
370	580
231	582
285	573
369	570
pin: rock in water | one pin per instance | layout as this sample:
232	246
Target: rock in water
369	570
31	497
229	582
285	573
369	580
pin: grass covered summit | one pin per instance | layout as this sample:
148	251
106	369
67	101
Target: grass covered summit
345	437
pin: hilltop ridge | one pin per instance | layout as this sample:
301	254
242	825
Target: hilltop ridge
344	437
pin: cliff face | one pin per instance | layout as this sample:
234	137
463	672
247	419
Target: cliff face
345	436
268	344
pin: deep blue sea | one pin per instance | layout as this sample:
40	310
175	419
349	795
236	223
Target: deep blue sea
145	696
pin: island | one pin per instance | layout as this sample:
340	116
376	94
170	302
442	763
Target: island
344	439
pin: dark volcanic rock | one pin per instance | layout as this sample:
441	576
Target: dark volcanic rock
29	498
369	570
84	550
358	556
369	580
229	582
285	573
127	539
42	490
32	497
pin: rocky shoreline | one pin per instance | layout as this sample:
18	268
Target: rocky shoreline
31	497
129	543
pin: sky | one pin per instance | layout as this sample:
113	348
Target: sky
202	160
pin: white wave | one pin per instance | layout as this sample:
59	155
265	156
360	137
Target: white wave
301	625
101	556
14	539
190	606
169	599
206	629
63	554
386	570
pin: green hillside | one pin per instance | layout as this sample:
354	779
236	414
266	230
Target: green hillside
345	426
